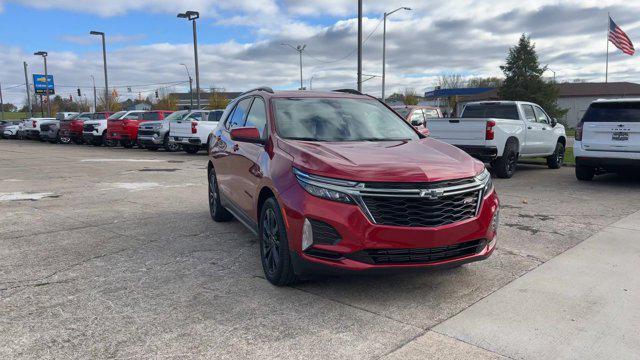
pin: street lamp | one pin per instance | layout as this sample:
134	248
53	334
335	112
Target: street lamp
190	85
299	49
554	74
104	61
95	97
192	16
46	78
384	44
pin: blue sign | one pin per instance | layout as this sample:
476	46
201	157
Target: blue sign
40	84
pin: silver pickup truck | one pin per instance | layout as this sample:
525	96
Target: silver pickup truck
153	135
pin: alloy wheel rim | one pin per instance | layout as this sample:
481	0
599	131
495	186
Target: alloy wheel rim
512	163
270	242
213	196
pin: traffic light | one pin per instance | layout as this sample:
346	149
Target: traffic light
157	94
79	93
70	97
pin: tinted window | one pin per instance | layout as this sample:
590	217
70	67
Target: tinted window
529	115
613	112
178	115
237	119
257	115
151	116
541	116
498	111
322	119
215	115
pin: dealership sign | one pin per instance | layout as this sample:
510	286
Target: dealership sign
40	84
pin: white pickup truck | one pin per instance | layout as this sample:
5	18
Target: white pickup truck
501	132
193	131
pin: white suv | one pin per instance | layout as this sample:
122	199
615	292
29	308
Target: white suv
608	138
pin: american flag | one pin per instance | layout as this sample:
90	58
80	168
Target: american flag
620	39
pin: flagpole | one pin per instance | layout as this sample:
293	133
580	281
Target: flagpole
606	73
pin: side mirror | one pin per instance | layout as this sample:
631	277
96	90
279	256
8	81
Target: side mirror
554	122
246	134
417	122
424	131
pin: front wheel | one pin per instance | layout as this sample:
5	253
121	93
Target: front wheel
556	160
127	144
274	246
170	146
65	139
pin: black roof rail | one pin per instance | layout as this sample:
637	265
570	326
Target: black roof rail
349	91
262	88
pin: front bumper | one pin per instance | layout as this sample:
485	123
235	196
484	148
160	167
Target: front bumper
91	137
150	140
482	153
359	235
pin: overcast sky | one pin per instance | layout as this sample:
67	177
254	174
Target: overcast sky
240	41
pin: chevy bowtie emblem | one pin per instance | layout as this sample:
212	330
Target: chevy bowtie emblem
431	193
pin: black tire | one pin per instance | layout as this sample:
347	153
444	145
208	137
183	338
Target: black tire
169	146
151	148
216	210
505	165
190	149
127	144
274	246
65	140
556	160
585	173
77	141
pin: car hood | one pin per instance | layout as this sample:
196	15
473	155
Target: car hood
423	160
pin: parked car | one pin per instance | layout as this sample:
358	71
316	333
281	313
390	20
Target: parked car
501	132
119	129
95	131
10	130
418	115
31	127
49	131
71	128
336	181
193	131
608	138
155	134
6	123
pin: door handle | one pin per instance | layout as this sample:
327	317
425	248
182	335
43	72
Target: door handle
236	147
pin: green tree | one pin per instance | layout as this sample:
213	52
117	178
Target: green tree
410	97
523	79
217	101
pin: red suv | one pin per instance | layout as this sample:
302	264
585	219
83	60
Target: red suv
125	129
334	181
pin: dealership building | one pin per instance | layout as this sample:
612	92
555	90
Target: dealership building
575	97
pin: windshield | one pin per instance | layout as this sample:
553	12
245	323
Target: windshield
613	112
326	119
117	115
402	111
498	111
197	116
178	115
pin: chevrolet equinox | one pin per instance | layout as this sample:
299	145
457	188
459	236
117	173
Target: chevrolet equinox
337	181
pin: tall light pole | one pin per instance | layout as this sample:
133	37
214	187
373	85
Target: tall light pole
95	97
190	86
299	49
104	61
384	45
192	16
360	45
46	79
26	83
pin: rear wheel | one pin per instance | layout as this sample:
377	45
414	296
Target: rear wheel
274	246
126	144
217	211
191	149
556	160
506	165
585	173
78	141
108	142
65	140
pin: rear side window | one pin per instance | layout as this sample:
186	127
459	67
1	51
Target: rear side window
239	113
499	111
529	115
151	116
214	116
257	115
613	112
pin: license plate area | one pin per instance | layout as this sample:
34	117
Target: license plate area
620	136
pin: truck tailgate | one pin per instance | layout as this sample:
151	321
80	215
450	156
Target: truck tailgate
458	131
182	128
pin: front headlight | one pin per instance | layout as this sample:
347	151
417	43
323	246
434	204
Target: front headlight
485	179
322	187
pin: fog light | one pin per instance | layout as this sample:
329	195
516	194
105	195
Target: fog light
307	235
495	222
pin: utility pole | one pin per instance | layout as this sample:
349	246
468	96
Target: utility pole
46	79
104	63
95	97
190	86
192	16
26	82
299	49
360	45
384	45
1	104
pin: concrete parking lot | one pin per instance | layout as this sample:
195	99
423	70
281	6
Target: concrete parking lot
112	253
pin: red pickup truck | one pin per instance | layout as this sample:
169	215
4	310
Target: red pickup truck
125	129
71	129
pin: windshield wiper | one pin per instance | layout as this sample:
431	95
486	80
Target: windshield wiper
383	139
302	138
